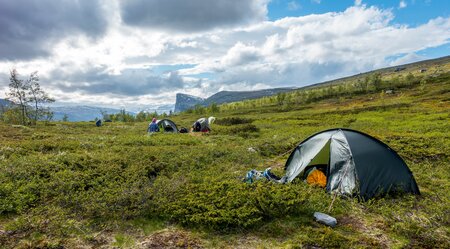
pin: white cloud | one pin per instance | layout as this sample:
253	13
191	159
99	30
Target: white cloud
316	1
402	4
120	68
358	2
408	58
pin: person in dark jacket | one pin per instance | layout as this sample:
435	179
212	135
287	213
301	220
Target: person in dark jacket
153	127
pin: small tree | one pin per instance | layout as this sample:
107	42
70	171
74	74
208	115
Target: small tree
281	97
46	114
141	116
423	83
376	81
199	109
65	117
329	92
214	108
2	110
37	96
123	116
12	116
18	94
410	79
23	93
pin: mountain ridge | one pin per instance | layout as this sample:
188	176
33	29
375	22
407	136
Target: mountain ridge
186	101
234	96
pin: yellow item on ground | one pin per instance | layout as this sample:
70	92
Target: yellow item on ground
317	177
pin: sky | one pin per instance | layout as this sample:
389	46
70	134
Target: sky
137	54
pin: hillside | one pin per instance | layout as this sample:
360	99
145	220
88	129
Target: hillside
74	185
185	101
427	67
433	66
234	96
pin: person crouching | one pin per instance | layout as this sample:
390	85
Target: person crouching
153	127
203	124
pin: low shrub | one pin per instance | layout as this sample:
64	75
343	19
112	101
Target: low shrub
228	204
233	121
242	130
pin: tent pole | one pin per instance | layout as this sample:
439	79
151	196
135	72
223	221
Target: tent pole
332	202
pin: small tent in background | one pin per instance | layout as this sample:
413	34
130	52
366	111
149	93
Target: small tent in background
353	162
167	125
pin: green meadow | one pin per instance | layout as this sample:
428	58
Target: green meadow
74	185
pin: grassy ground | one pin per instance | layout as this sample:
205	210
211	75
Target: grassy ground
75	185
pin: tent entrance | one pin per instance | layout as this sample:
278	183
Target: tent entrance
321	161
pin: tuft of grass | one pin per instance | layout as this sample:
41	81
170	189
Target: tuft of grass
123	241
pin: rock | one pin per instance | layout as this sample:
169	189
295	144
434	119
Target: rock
325	219
251	150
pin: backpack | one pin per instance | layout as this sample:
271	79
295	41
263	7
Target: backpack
197	126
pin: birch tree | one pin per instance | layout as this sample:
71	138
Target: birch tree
37	97
18	94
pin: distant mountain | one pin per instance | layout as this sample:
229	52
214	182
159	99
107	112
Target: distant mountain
185	101
164	108
88	113
233	96
80	113
5	104
74	113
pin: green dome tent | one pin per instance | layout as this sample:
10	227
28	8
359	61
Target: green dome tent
167	125
355	164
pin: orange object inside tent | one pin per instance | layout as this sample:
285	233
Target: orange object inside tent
317	177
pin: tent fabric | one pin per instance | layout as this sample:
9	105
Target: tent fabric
204	124
308	150
167	125
342	175
358	164
380	169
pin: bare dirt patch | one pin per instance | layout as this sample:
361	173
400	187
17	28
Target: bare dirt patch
373	232
170	240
